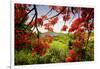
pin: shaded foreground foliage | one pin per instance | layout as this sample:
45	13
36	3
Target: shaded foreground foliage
56	53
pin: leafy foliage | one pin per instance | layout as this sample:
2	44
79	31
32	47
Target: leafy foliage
32	48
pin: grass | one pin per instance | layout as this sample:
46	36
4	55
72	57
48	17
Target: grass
59	45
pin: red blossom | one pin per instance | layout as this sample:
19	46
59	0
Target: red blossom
66	17
48	27
44	17
69	59
64	28
39	20
75	24
49	38
53	21
71	52
40	46
20	12
77	44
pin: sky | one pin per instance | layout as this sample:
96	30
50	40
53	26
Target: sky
42	10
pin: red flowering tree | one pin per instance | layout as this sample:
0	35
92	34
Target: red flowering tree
81	27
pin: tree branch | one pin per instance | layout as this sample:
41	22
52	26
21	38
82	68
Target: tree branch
36	21
48	12
27	14
32	19
57	14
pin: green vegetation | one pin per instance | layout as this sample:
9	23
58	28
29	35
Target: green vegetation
56	53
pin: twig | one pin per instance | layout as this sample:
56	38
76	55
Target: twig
48	12
27	14
57	14
36	21
32	19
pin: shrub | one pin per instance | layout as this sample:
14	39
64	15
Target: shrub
23	57
56	53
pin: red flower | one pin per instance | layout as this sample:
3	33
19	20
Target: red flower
50	29
69	59
64	28
20	12
66	17
40	46
77	44
79	53
42	53
44	17
73	55
29	41
39	20
75	24
71	52
53	21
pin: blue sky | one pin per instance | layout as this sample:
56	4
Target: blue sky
43	9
